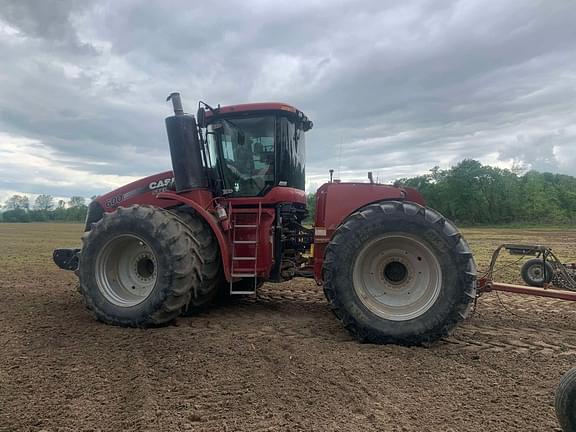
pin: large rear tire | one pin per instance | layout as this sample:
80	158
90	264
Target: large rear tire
397	272
138	266
206	293
565	403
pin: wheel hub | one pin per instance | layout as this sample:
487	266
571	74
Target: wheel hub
536	273
144	267
395	272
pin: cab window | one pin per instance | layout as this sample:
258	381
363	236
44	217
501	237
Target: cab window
246	155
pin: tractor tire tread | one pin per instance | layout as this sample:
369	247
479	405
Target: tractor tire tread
565	401
373	213
185	262
211	274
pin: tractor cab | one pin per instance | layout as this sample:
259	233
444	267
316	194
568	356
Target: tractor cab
251	148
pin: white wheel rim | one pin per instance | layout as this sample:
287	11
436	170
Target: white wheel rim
536	273
126	270
397	277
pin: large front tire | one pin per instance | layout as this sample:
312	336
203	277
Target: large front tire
138	266
397	272
212	284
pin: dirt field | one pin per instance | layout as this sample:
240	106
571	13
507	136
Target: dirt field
281	362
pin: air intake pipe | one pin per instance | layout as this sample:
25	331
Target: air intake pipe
185	149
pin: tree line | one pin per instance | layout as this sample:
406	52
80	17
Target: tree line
18	208
471	193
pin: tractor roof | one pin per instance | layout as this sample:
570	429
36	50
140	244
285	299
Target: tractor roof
262	106
252	107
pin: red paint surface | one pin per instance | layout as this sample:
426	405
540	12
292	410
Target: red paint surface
141	190
485	285
244	211
336	201
263	250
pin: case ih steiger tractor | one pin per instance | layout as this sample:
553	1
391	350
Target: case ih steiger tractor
229	217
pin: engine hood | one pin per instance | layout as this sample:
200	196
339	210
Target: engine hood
142	191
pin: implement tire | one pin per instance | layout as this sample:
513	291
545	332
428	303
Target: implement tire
565	403
138	266
397	272
212	274
533	272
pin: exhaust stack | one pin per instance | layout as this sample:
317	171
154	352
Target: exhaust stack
185	150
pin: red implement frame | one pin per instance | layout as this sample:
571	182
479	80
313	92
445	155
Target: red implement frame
487	284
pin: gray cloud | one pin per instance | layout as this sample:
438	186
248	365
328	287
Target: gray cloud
50	20
393	87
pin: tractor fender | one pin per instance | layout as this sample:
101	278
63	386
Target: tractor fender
336	202
211	221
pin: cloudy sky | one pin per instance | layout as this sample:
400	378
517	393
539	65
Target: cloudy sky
393	87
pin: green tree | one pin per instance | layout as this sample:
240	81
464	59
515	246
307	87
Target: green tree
472	193
16	215
311	207
77	201
44	202
17	202
77	209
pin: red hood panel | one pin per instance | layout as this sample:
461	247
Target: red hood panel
141	191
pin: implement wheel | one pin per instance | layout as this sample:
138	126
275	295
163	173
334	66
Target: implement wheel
533	272
138	266
565	403
397	272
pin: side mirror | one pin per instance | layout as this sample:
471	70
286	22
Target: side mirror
201	117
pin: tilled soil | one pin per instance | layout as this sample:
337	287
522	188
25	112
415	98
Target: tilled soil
278	362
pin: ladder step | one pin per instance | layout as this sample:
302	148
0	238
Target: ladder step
248	223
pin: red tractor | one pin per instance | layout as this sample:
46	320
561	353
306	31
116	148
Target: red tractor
229	217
